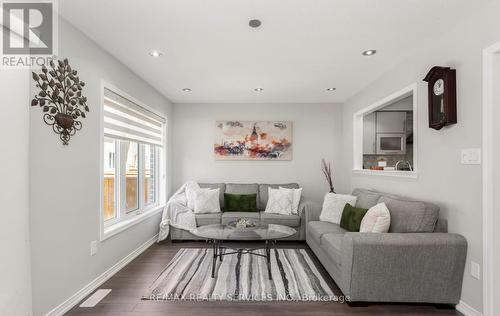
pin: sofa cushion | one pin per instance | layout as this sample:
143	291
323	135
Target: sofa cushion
410	216
220	186
333	206
287	220
376	220
297	197
228	217
351	217
332	245
244	188
366	198
240	202
263	192
441	226
206	201
280	201
191	189
317	229
208	219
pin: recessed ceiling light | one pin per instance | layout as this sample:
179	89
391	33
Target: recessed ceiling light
155	53
254	23
258	89
186	89
331	89
369	52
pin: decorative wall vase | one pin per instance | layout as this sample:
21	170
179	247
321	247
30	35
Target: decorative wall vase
60	97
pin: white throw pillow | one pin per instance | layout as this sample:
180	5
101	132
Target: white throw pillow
280	202
333	206
207	201
191	188
377	220
296	199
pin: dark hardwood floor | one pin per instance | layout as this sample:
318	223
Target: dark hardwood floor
132	282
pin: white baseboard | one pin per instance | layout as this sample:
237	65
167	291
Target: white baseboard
86	290
466	309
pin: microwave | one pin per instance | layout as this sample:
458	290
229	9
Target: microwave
391	143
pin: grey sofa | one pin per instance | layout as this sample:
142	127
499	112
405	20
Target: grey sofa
295	221
400	266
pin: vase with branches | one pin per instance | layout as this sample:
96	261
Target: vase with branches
326	168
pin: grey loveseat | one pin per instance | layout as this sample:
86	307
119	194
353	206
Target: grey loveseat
400	266
295	221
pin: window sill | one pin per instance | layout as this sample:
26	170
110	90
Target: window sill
387	173
125	224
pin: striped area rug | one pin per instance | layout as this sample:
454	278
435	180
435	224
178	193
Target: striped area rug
240	277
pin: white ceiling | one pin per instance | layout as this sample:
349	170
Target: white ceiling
302	47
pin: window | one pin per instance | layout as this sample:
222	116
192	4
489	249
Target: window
149	174
133	138
385	134
109	179
130	191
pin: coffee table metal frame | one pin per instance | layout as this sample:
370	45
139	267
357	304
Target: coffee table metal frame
269	233
220	251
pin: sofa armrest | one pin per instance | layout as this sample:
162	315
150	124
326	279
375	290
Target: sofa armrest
416	267
303	210
311	212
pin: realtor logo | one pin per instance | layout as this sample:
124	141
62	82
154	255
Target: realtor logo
28	33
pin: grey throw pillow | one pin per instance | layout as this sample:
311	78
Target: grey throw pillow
366	198
411	216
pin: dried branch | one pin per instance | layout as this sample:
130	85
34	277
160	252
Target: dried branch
326	168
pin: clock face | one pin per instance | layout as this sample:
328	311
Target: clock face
439	87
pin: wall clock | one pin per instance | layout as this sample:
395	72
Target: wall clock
442	90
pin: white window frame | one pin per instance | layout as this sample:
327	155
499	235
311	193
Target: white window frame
124	220
156	175
124	213
358	134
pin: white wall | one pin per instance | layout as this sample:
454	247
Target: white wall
15	276
441	179
316	135
65	183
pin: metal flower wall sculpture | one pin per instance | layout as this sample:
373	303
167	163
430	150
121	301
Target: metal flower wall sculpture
60	98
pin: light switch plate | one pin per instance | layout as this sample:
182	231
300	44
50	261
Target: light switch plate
475	270
471	156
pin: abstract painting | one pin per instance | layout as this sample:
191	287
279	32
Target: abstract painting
253	140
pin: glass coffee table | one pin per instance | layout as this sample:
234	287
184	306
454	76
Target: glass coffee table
217	233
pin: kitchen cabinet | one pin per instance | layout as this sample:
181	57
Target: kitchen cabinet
369	134
391	122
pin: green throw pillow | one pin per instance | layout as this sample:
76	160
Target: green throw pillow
240	202
351	217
